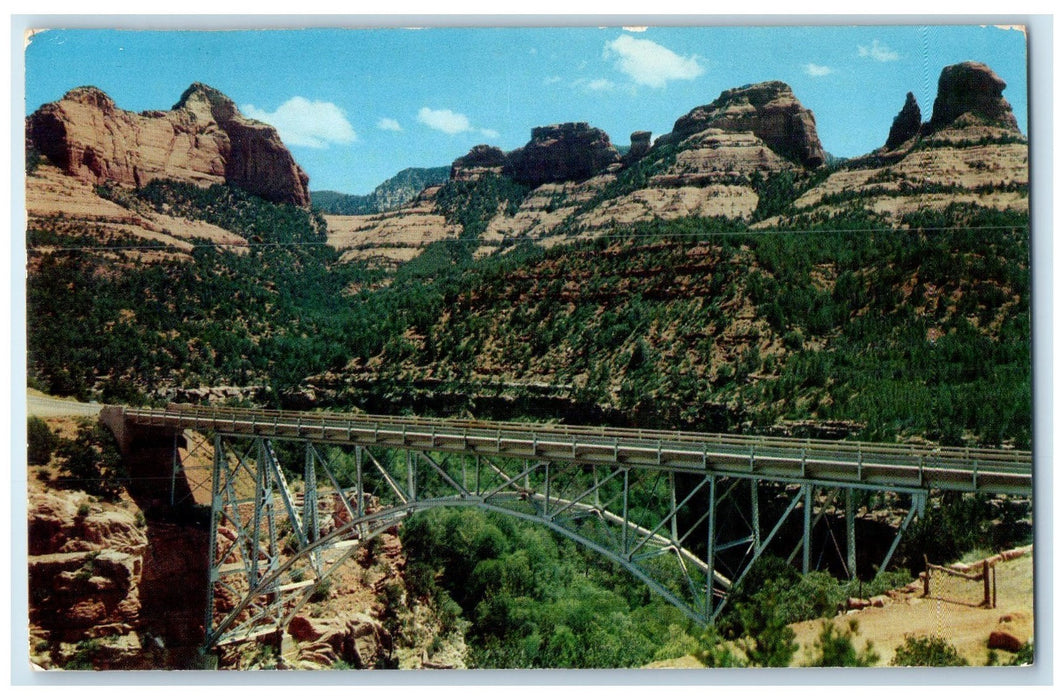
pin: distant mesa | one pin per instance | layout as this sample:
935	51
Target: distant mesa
203	139
906	125
573	151
971	88
569	152
769	110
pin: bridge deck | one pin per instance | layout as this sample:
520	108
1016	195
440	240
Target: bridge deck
856	464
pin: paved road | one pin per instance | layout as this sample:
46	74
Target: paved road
48	407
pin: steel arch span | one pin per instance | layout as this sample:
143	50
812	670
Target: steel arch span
292	496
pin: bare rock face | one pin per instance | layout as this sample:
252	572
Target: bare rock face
769	110
640	146
203	139
356	639
906	125
971	88
561	153
480	160
84	565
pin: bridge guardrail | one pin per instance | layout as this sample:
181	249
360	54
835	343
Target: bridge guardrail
854	463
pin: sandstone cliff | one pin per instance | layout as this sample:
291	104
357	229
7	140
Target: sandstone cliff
768	110
203	139
970	152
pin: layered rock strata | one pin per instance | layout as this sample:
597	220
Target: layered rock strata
203	139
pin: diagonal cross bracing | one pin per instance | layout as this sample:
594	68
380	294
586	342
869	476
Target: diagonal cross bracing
661	493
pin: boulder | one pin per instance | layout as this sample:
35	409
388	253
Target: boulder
356	639
1012	632
971	88
203	139
906	125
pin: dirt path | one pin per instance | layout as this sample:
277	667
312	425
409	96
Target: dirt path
965	625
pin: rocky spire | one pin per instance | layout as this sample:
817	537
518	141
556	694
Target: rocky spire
906	124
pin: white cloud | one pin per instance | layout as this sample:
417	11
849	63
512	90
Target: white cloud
878	52
387	124
303	122
489	133
600	85
814	70
444	120
552	80
648	63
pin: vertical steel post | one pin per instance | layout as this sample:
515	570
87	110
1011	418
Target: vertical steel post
411	482
360	505
260	474
624	518
851	537
755	512
711	554
212	551
173	472
672	506
807	514
310	496
546	488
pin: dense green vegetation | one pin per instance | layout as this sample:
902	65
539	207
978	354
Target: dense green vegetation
919	332
927	651
536	600
89	462
647	331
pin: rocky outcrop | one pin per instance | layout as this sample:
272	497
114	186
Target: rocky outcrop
561	153
84	567
639	148
906	125
481	160
356	639
971	88
768	110
203	139
1013	630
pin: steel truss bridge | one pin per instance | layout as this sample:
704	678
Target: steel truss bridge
293	495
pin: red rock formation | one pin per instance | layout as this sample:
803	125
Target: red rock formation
480	160
768	110
906	125
204	140
562	153
355	638
971	88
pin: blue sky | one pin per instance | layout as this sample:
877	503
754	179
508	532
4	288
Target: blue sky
357	106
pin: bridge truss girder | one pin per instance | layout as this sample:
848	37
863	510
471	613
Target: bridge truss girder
690	535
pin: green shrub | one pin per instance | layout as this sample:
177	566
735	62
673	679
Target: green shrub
929	650
41	441
92	462
834	647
